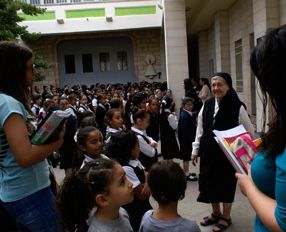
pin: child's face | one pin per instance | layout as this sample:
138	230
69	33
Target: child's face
116	121
39	101
135	151
169	93
154	106
94	144
55	99
120	191
143	123
103	100
142	104
83	100
188	106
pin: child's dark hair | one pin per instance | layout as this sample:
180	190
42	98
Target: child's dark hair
36	97
164	174
137	99
186	100
77	195
88	121
120	146
115	103
82	116
168	103
139	114
109	115
83	133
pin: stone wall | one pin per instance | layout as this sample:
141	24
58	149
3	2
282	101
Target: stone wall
144	42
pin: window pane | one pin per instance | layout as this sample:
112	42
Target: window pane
122	62
104	62
35	2
69	63
87	63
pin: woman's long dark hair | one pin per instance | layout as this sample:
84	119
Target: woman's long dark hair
79	190
268	64
13	66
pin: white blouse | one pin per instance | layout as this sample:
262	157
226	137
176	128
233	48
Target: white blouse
243	119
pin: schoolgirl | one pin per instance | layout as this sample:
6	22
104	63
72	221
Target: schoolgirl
148	152
92	198
114	121
37	101
124	147
83	107
100	112
90	144
153	109
168	126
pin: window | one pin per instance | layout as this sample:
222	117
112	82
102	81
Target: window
87	63
35	2
48	1
104	62
61	1
122	62
238	65
69	64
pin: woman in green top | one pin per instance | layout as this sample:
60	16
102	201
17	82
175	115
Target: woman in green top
25	191
265	184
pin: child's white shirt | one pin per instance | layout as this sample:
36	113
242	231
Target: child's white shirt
130	174
88	159
144	146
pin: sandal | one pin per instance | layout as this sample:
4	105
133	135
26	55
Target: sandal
210	220
219	227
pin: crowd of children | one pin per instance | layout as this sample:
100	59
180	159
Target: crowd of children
110	145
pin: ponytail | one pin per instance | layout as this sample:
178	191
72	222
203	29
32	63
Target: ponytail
79	190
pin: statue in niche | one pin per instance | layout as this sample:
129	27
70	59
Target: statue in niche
150	71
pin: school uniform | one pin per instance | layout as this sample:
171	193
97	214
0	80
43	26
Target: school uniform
169	144
186	134
83	108
135	173
109	132
148	154
153	128
100	114
88	159
36	109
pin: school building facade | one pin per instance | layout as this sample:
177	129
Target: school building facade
107	41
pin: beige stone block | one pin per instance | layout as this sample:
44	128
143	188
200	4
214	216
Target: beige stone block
175	6
260	16
173	24
177	31
258	5
175	15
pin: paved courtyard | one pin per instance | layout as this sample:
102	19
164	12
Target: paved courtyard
242	213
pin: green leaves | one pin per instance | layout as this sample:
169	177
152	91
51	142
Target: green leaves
40	65
11	30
